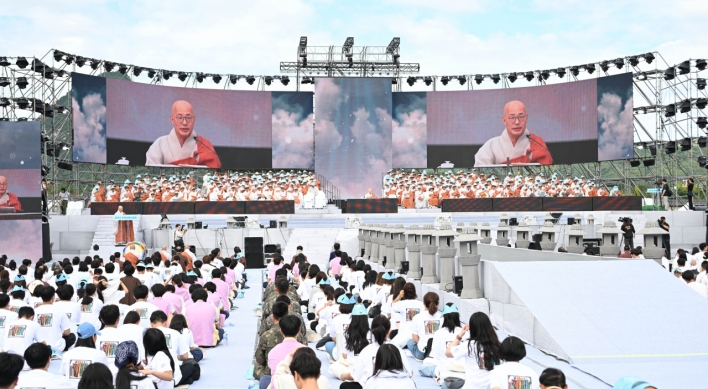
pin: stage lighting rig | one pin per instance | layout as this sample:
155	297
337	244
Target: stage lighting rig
428	81
529	76
511	77
701	102
685	106
108	66
216	78
45	170
544	74
4	102
670	147
669	74
701	83
268	80
166	74
137	70
702	142
495	78
151	73
4	81
250	80
641	76
590	68
619	63
649	57
701	64
94	64
69	59
302	51
122	69
200	77
411	81
58	55
21	62
670	110
478	78
684	67
574	70
635	163
605	66
80	61
445	80
182	76
702	161
285	80
21	119
686	144
462	79
4	62
233	78
634	60
22	103
21	82
702	122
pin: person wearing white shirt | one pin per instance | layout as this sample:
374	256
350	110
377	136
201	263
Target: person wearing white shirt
406	306
71	308
690	279
38	357
178	346
22	332
389	370
142	306
18	294
110	336
363	368
339	323
424	326
76	360
55	326
511	373
161	367
6	317
437	364
144	277
702	277
480	353
132	330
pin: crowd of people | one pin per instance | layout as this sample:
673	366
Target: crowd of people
421	190
128	324
300	186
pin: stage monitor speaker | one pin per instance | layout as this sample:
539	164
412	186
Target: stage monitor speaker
273	224
46	244
513	221
457	285
270	248
253	245
197	225
537	237
255	261
404	267
571	221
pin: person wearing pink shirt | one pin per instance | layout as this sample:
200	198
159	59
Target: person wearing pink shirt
289	327
222	288
277	264
181	290
158	291
335	264
172	297
203	319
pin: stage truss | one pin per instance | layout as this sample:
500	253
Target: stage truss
660	89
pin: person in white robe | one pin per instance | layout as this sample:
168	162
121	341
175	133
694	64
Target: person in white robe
320	199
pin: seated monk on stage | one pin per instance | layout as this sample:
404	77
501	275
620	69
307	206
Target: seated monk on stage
515	143
8	199
182	146
407	201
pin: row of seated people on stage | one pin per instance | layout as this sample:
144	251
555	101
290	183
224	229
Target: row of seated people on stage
133	324
301	187
416	190
371	326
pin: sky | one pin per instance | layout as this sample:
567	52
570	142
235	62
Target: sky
444	36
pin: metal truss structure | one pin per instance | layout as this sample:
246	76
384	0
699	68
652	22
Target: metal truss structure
669	116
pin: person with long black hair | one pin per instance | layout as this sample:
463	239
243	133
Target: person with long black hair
363	369
396	288
91	305
425	325
96	376
481	353
356	337
389	370
438	364
369	289
404	308
128	363
160	365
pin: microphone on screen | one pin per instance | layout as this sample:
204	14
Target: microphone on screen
196	138
528	136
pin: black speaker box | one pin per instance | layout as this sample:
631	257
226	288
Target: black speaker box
404	267
255	261
253	245
571	221
273	224
270	248
457	285
46	244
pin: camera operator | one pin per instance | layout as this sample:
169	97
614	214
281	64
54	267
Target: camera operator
666	239
628	232
179	235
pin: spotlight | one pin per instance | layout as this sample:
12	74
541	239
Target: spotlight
21	62
619	63
605	66
4	81
285	80
634	163
4	102
21	119
44	137
94	64
428	81
701	64
684	67
45	170
200	77
445	80
268	80
574	70
216	78
702	161
182	76
685	106
649	57
642	146
701	102
495	78
652	150
641	76
80	61
669	74
462	80
670	110
233	78
69	59
394	81
685	144
411	81
21	82
250	80
702	142
122	69
701	83
65	166
648	162
137	70
590	68
511	77
545	74
151	73
478	78
702	122
58	55
166	74
4	61
22	103
634	60
670	147
529	76
560	72
108	66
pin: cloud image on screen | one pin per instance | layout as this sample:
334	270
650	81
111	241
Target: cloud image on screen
21	239
23	182
20	145
410	117
293	133
88	105
353	132
615	119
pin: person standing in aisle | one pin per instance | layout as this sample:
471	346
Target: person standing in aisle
64	197
689	188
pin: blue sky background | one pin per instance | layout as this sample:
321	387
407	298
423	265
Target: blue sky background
444	36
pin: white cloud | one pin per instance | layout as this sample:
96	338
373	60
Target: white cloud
410	140
293	140
617	132
17	235
89	118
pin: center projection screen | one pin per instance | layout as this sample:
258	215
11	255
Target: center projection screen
575	122
129	123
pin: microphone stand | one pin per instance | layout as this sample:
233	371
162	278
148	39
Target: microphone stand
196	138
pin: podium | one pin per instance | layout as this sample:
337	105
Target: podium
124	229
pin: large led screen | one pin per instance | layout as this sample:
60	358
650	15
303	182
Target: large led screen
575	122
133	124
21	239
20	164
353	132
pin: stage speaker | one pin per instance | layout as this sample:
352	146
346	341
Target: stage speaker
513	221
404	267
197	225
253	245
46	244
571	221
270	248
537	237
273	224
457	285
255	261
